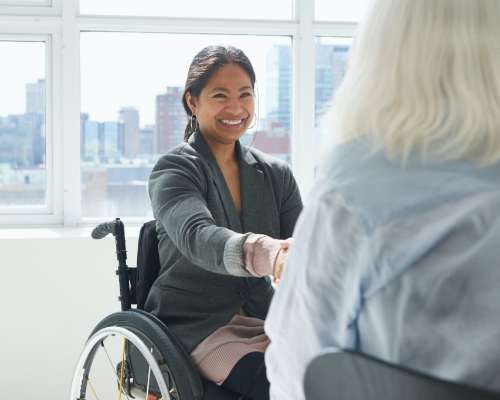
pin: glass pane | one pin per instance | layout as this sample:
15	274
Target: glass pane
340	10
132	110
23	180
257	9
330	68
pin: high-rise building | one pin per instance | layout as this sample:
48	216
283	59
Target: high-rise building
331	64
35	115
279	88
110	137
170	120
272	144
21	144
330	68
100	141
35	97
147	142
89	138
129	117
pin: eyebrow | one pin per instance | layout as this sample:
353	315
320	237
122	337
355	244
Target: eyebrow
221	89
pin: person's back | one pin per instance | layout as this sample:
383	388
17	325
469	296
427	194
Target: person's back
430	298
398	262
398	252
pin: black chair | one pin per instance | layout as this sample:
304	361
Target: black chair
350	375
151	360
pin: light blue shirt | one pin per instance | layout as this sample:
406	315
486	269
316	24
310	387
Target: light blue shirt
399	262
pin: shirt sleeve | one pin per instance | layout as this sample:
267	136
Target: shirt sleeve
316	303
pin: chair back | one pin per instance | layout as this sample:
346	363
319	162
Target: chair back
148	262
354	376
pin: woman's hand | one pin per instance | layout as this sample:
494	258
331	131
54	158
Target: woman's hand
280	259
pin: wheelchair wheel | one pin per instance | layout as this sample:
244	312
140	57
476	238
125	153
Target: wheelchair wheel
131	355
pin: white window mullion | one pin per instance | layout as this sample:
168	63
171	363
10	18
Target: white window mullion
52	149
39	8
186	25
70	115
336	29
304	150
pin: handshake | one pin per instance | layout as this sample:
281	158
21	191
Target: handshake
279	262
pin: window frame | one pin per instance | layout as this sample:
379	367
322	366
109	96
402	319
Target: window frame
61	25
51	212
33	8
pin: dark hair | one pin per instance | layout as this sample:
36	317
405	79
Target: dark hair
204	65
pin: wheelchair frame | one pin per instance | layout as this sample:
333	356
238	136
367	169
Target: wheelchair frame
166	371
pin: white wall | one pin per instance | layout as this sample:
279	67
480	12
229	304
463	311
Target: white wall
54	288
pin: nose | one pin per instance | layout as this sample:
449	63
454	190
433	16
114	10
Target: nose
234	105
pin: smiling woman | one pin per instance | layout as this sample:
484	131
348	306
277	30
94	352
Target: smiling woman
224	215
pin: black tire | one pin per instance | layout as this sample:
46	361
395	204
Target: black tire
182	373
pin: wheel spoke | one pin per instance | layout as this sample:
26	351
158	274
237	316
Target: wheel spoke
122	370
114	370
92	389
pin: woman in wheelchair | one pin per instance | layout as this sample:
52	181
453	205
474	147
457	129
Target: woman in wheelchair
224	214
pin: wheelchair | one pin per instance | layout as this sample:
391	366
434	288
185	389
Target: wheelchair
350	375
131	354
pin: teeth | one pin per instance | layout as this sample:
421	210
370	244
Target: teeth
231	122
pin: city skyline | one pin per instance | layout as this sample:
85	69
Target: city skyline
117	153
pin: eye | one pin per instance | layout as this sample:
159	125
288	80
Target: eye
247	94
219	96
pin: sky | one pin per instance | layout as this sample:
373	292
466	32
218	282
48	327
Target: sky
20	63
130	69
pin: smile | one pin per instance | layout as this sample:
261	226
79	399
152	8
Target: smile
231	122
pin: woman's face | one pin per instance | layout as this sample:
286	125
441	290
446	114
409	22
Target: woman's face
225	107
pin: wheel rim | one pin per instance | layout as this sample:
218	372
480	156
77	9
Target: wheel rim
81	379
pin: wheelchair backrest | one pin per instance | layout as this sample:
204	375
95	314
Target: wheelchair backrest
148	262
348	375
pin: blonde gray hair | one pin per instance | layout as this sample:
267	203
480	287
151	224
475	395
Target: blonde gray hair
424	76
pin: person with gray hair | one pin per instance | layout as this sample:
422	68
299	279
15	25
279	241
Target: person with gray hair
397	253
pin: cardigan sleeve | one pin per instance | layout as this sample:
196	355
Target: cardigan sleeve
177	186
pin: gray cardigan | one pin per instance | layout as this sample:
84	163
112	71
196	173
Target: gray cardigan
202	282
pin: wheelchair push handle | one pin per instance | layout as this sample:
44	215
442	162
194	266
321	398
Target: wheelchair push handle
117	228
102	230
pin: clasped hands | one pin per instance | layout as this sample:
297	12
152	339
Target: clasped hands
279	263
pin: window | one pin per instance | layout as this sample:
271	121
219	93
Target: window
257	9
23	172
91	93
340	10
132	109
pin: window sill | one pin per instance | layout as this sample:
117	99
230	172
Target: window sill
83	232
